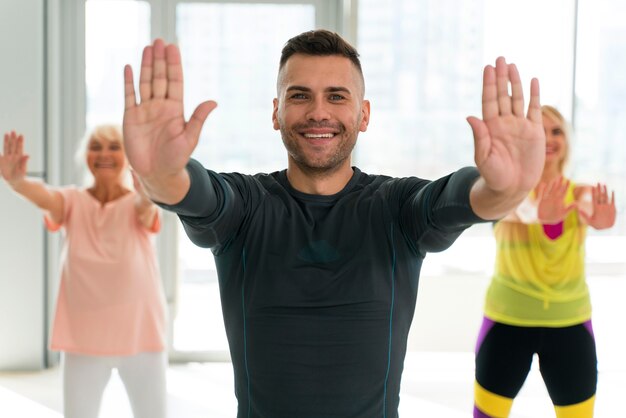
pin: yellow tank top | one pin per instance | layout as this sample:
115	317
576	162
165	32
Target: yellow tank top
539	281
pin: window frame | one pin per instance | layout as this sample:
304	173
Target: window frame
66	109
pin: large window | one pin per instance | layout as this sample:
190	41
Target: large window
115	33
230	54
423	62
599	148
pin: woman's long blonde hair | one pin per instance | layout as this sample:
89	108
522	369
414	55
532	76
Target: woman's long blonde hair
552	113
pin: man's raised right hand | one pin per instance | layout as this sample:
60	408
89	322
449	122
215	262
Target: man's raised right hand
157	139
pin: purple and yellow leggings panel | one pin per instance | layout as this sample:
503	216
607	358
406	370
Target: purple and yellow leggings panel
567	362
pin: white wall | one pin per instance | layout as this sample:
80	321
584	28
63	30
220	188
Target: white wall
449	312
449	307
22	237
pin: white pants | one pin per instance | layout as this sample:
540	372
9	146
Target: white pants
85	378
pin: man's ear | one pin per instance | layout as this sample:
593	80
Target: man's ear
275	115
365	115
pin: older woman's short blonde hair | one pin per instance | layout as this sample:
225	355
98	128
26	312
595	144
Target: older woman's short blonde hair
110	132
556	116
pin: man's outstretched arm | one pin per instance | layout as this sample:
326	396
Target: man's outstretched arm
157	139
509	146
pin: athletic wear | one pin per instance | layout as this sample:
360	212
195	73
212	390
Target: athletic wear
538	303
110	299
567	362
540	280
85	378
318	292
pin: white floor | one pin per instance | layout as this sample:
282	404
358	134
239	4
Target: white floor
434	385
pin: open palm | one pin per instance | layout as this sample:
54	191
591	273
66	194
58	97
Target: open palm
551	207
604	211
13	161
509	146
158	140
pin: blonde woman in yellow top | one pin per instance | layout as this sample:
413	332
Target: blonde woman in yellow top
538	301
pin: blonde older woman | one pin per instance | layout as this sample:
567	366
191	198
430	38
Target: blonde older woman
110	310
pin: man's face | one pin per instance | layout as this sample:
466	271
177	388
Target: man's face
320	111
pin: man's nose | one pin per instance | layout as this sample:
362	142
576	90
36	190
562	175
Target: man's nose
318	110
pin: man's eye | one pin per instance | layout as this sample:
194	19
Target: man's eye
336	97
298	96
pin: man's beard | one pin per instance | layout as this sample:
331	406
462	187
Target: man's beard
346	140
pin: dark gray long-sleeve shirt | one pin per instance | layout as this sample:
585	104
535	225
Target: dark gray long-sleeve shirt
318	292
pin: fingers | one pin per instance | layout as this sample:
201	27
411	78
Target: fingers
9	143
559	187
502	85
534	105
22	164
490	94
13	144
145	76
194	126
482	140
601	192
603	212
159	70
13	161
19	145
595	194
129	88
161	73
601	196
174	73
554	189
517	94
496	98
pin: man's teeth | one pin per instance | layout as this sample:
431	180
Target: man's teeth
328	135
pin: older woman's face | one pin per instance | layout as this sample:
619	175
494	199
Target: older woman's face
106	159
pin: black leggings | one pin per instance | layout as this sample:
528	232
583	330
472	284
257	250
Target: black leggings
567	360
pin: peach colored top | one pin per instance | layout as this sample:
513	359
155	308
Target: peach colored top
110	299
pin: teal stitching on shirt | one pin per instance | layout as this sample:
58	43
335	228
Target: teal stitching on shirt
393	290
245	342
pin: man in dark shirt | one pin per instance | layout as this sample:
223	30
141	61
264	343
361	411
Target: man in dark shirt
319	263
